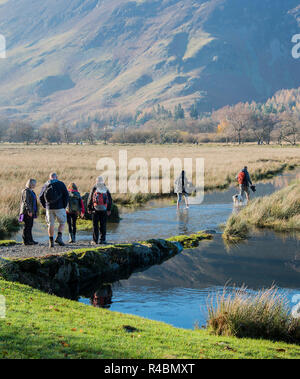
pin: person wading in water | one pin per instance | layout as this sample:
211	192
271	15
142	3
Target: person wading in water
181	188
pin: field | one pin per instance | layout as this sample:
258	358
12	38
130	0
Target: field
38	325
77	163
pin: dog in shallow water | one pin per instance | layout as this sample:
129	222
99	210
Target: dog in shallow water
237	200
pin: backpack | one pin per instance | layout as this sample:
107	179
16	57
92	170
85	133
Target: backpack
74	203
51	194
100	201
241	177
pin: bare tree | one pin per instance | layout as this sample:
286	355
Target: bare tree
290	127
238	118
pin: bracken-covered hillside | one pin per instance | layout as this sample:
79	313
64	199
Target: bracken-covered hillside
69	58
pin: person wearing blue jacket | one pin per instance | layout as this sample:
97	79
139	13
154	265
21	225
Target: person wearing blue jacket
54	197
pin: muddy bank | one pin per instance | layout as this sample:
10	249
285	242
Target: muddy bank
69	273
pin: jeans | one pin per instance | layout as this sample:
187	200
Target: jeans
71	219
99	217
27	231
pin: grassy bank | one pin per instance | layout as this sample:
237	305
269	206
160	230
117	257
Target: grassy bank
38	325
279	211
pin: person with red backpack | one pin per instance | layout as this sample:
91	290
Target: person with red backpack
99	204
245	182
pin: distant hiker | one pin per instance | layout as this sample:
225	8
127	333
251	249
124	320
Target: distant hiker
55	197
75	207
28	211
99	204
182	186
244	181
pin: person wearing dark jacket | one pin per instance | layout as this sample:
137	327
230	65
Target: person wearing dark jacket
75	207
28	211
99	204
55	198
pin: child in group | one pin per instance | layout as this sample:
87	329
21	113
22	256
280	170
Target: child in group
74	208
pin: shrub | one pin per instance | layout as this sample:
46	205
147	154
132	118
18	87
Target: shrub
8	226
243	314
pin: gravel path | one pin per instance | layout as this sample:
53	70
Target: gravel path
21	251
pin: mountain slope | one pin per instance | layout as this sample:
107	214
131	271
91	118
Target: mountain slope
68	58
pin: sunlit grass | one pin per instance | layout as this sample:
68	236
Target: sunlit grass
265	314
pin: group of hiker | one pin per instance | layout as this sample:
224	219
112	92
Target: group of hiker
65	205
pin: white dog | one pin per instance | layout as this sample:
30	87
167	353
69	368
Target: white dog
237	200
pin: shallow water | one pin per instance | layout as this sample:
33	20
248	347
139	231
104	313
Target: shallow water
176	292
160	219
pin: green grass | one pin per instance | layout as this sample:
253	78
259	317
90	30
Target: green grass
39	325
279	211
262	315
191	240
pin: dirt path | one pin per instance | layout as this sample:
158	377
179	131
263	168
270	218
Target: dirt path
42	249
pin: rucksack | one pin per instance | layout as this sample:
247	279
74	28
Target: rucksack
51	194
74	205
100	201
241	177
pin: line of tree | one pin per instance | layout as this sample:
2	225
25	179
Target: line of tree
277	121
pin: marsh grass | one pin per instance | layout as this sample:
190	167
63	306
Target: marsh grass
243	314
279	211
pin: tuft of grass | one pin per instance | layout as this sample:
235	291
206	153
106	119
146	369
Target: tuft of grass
236	229
8	226
246	315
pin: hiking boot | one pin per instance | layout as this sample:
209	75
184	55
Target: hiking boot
59	240
51	243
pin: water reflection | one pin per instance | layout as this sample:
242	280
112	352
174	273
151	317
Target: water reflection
102	298
183	221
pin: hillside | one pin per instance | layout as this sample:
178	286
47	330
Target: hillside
69	58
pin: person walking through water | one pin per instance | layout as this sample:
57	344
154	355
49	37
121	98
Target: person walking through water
55	197
245	182
75	207
181	188
28	211
99	204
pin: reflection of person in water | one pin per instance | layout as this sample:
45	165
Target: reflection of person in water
183	220
102	297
